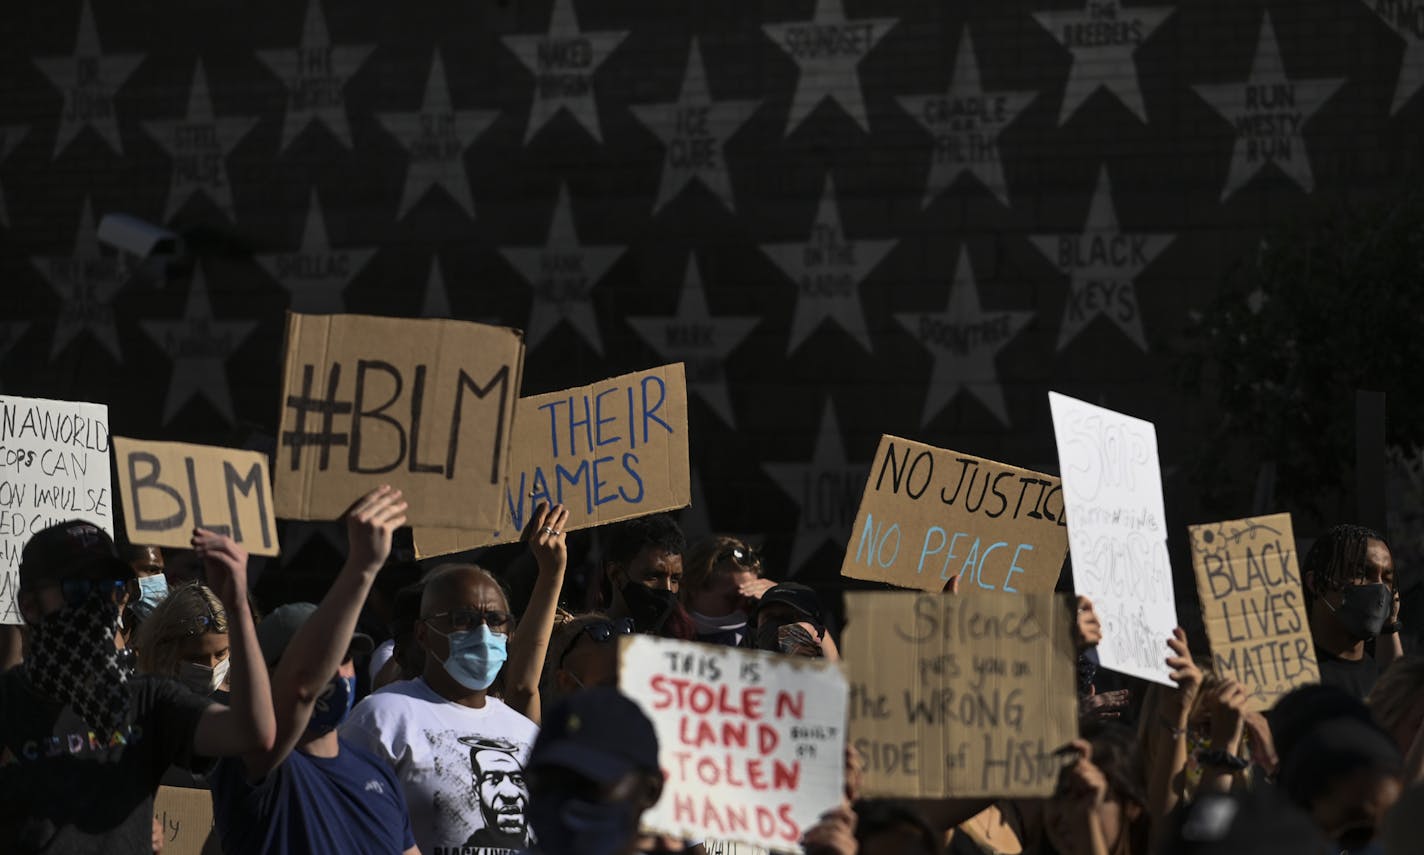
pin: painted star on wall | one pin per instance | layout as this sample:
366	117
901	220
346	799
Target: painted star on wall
1102	263
828	270
436	302
199	144
1406	21
1268	111
965	124
200	346
316	73
700	341
88	79
87	281
1103	38
562	274
694	130
563	61
10	136
827	490
828	50
436	139
964	341
316	275
10	334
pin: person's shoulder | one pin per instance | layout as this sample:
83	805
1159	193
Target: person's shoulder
508	716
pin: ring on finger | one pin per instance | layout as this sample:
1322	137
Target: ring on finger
548	530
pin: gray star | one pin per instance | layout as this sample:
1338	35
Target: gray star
10	136
1102	262
437	300
692	336
1103	38
316	73
965	124
10	334
562	274
200	346
964	340
316	275
88	80
694	130
1407	21
563	62
694	520
1268	111
828	50
436	138
827	490
828	270
87	281
199	144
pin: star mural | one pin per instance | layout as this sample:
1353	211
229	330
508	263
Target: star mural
10	137
1268	111
827	51
828	270
827	489
87	281
1103	39
436	138
200	346
563	62
964	124
316	72
1407	21
10	334
562	274
88	80
199	145
694	130
1102	263
700	341
316	276
436	302
965	341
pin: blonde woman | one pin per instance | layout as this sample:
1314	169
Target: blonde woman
185	637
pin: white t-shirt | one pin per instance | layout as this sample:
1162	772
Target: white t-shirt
462	769
381	655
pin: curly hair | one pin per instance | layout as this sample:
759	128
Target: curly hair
1337	558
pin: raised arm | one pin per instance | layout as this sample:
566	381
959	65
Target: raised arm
1167	739
548	542
320	645
246	724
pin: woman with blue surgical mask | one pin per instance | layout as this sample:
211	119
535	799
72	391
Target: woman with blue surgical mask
185	637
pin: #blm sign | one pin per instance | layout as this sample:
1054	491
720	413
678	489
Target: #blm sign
610	451
171	488
960	697
752	743
928	515
1250	590
54	467
426	405
1117	532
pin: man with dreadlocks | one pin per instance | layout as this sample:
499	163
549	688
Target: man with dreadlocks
1351	598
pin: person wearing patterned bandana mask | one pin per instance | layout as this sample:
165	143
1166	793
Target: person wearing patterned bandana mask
83	740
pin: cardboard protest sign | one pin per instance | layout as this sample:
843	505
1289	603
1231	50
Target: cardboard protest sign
752	743
610	451
960	697
186	817
1117	532
1250	590
54	467
928	515
170	488
426	405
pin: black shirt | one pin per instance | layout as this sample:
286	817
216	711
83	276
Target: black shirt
1356	677
65	789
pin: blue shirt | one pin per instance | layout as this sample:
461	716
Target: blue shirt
350	803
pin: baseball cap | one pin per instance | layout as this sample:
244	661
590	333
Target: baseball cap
1257	823
599	733
801	598
70	550
275	632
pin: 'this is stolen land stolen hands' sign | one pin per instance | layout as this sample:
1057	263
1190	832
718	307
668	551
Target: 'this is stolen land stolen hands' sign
1250	590
609	451
954	696
170	488
1117	532
426	405
929	515
54	467
752	744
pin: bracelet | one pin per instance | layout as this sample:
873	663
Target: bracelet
1391	628
1177	732
1221	759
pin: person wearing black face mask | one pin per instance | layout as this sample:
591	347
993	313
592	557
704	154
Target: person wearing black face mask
1351	600
643	573
789	620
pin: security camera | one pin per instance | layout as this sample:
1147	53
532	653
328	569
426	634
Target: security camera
138	237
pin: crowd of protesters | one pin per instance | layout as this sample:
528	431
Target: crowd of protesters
421	707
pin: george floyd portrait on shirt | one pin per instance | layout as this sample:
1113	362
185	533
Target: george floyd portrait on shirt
501	795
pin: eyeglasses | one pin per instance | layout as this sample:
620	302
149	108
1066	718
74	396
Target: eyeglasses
76	591
465	619
745	556
600	632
